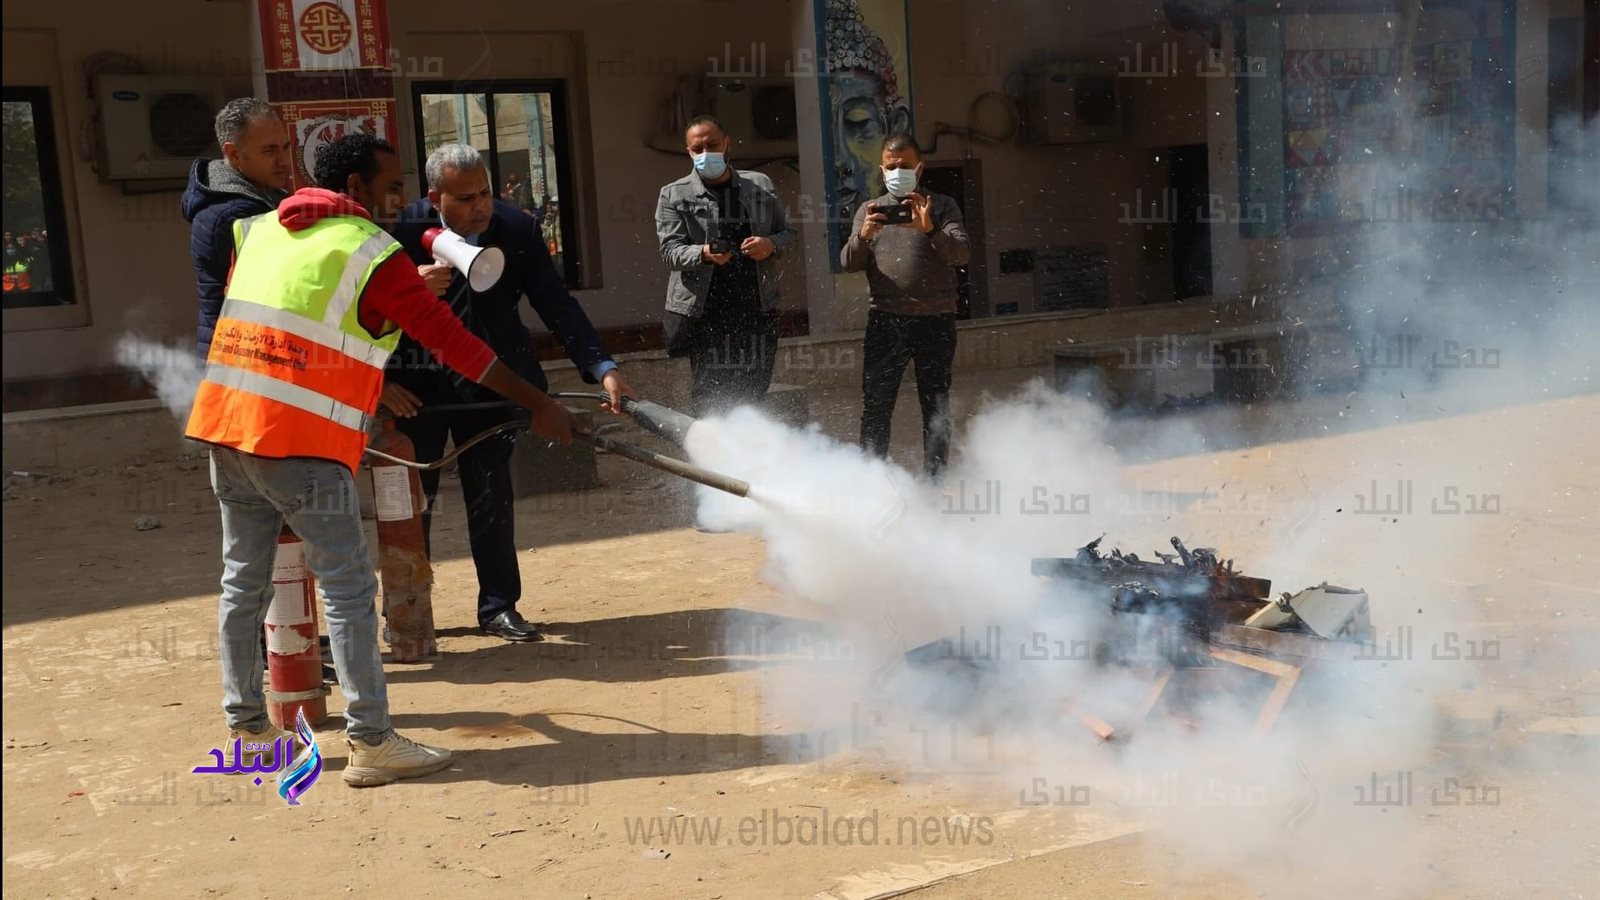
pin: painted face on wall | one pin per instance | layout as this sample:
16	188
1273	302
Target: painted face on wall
865	97
862	120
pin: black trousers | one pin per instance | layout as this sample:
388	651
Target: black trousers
731	359
929	343
485	490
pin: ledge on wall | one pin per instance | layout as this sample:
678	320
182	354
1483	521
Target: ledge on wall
643	343
61	440
107	386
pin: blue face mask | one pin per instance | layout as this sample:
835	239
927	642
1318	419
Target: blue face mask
710	165
900	182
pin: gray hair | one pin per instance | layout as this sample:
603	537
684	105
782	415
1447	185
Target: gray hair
459	157
237	114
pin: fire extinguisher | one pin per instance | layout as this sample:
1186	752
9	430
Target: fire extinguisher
294	655
402	549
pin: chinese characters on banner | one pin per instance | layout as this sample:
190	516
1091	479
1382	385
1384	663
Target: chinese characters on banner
324	35
327	64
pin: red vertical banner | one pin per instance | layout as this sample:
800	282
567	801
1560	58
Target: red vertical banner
278	36
327	68
372	19
324	35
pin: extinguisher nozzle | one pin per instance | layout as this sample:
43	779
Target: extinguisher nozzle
659	420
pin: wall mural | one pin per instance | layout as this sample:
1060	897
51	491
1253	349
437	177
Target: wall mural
1342	131
866	97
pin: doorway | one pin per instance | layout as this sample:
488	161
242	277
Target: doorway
1190	182
962	181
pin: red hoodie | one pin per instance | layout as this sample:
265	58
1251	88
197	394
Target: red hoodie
395	292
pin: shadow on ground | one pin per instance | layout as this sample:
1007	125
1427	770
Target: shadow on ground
634	649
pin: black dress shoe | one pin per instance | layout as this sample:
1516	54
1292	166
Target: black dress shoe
511	626
329	673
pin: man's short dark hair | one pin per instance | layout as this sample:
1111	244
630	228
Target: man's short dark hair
353	154
697	121
901	141
236	116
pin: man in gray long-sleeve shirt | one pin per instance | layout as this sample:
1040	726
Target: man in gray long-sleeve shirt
911	272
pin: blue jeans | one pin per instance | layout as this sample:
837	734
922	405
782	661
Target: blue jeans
318	499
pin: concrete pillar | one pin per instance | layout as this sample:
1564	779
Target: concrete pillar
1222	141
325	66
869	53
811	216
1531	110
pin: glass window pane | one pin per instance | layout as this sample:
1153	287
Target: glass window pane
29	272
525	164
455	118
516	130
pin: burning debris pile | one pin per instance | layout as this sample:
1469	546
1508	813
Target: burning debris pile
1188	611
1182	600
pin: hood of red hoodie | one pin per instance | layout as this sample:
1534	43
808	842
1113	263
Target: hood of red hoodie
308	206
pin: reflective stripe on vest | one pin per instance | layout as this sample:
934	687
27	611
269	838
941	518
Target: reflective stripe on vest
355	276
18	278
291	394
318	333
291	371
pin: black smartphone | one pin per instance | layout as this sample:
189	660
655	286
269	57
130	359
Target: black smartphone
894	213
720	246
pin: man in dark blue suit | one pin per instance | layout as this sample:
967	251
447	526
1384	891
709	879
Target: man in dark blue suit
461	198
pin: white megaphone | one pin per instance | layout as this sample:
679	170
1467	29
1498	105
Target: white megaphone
481	265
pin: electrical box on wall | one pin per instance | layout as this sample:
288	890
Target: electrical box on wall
1072	103
154	126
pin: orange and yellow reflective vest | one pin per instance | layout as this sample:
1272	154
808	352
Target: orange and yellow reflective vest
292	372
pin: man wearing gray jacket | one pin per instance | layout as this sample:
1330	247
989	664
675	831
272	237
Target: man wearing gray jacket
720	231
911	273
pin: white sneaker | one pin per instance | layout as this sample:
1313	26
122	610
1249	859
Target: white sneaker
254	744
396	758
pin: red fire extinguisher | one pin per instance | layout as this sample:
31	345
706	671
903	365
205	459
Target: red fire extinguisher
294	655
402	549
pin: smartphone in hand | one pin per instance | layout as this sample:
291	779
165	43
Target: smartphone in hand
894	213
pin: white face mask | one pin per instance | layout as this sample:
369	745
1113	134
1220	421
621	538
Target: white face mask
710	164
900	182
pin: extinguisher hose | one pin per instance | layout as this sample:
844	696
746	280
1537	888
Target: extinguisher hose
450	457
631	451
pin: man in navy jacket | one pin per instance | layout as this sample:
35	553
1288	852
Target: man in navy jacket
252	177
460	197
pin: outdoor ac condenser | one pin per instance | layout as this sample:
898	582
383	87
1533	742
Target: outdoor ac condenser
153	126
1073	103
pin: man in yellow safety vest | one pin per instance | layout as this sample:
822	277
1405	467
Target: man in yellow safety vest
315	302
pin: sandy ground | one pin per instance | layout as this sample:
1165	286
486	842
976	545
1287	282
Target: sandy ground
645	708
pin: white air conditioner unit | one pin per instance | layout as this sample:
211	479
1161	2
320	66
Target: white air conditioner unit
153	126
1073	103
757	112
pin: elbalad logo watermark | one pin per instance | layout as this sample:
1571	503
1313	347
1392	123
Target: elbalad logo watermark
294	777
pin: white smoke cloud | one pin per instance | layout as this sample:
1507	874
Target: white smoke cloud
172	369
1446	320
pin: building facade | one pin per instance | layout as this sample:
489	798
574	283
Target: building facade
1106	156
